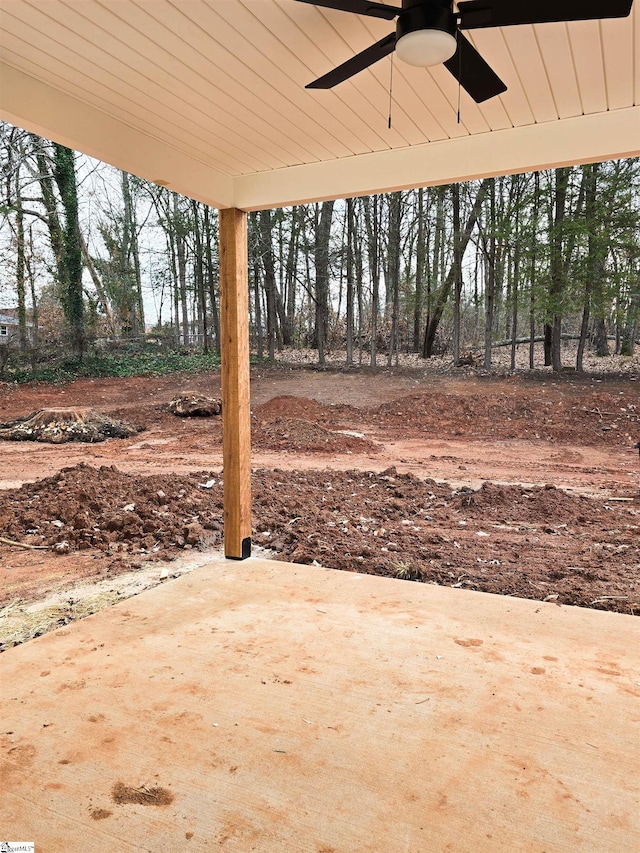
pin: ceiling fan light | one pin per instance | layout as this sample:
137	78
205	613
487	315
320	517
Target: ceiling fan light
426	47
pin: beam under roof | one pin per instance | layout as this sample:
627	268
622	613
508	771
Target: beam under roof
52	113
43	109
586	139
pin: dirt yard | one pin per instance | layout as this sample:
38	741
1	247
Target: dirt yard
521	485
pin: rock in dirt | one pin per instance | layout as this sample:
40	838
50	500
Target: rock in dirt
195	406
57	426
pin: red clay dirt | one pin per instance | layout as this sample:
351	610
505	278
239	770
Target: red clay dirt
542	498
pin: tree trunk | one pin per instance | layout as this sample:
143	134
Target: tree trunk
72	302
457	263
49	201
490	281
557	265
131	257
532	272
590	175
23	337
357	249
420	261
97	283
268	267
631	323
199	277
515	288
444	291
181	257
35	318
323	218
435	271
350	323
629	335
373	236
290	277
211	279
175	285
393	268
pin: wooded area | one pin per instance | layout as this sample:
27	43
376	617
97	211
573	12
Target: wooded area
91	256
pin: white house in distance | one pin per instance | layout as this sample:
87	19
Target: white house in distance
8	324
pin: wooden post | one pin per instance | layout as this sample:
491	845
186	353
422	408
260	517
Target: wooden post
236	415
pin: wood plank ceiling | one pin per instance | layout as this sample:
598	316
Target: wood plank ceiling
220	84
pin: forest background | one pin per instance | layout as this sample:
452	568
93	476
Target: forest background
96	264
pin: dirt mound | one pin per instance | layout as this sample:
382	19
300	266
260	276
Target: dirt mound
289	423
295	434
57	426
305	408
534	543
288	406
567	549
103	508
531	506
559	415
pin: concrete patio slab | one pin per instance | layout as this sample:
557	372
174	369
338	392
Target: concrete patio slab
263	706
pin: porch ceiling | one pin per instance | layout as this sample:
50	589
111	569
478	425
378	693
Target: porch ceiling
208	97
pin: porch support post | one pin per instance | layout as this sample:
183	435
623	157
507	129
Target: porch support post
236	415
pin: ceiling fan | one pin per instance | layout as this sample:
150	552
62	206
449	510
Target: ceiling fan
428	32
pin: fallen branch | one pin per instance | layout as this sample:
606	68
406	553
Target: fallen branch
597	411
23	545
539	339
609	598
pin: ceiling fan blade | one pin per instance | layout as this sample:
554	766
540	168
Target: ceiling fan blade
357	63
358	7
477	14
473	73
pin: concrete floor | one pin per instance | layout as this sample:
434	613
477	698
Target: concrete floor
292	708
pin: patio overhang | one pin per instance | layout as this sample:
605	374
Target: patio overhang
54	114
208	98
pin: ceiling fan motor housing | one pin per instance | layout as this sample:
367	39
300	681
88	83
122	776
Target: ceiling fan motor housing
430	15
426	32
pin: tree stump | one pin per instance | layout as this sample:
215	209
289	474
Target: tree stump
57	426
195	406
